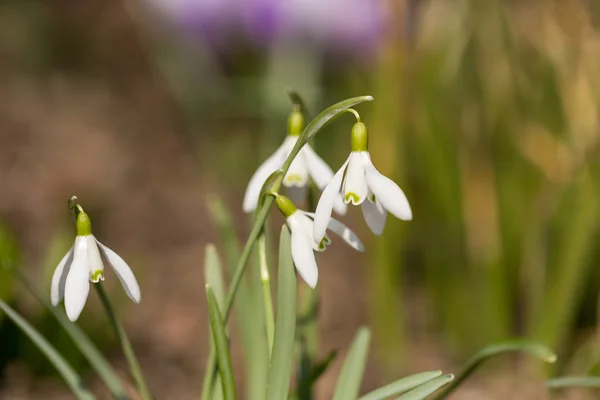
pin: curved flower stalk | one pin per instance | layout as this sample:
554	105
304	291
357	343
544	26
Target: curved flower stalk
360	183
300	224
306	164
84	263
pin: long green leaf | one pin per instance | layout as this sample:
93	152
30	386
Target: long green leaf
221	345
81	340
574	381
213	274
280	371
427	389
401	385
519	346
67	372
311	130
348	383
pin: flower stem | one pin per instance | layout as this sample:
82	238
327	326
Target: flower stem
266	285
134	365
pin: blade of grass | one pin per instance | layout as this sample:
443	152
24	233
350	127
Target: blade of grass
348	383
320	121
516	346
280	371
427	389
71	377
134	365
221	345
81	340
266	287
401	385
574	381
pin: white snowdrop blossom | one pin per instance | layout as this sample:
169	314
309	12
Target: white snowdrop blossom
84	263
306	164
303	245
360	183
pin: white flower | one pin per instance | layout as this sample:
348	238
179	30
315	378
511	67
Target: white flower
360	183
306	164
84	263
303	245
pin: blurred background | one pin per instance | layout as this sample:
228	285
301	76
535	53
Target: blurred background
485	113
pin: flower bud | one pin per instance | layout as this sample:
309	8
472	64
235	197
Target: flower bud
359	137
84	224
285	205
295	123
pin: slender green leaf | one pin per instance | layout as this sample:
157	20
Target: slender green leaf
348	383
519	346
401	385
574	381
213	274
67	372
280	371
427	389
81	340
221	345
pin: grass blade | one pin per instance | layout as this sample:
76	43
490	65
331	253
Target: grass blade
519	346
98	362
401	385
280	371
574	381
213	274
66	371
221	345
427	389
348	383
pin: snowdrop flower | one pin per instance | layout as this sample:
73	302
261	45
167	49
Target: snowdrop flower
360	183
85	263
300	224
306	164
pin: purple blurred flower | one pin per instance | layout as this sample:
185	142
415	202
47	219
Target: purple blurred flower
332	23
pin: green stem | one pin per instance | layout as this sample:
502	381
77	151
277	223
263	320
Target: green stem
134	365
266	285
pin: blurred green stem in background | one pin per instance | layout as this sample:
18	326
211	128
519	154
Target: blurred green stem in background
134	365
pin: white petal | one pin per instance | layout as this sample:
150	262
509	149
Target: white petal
390	195
77	286
57	288
319	171
303	256
339	206
344	232
123	272
269	166
297	174
355	183
297	195
375	216
305	224
325	204
95	261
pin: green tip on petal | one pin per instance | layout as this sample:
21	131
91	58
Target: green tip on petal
360	137
84	225
285	205
352	196
97	276
295	123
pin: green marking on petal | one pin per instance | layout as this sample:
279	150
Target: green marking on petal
84	224
97	276
352	196
372	198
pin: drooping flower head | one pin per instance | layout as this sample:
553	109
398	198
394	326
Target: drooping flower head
300	224
84	263
307	164
359	182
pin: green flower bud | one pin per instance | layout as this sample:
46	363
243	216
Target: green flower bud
295	123
359	137
84	224
285	205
